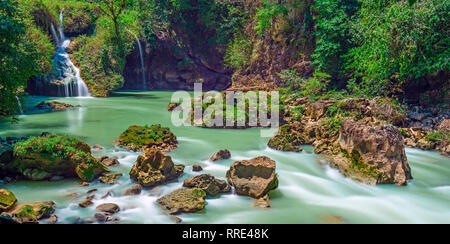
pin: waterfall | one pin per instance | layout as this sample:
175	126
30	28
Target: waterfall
144	82
19	105
65	73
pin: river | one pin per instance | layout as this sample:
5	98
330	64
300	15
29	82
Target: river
309	191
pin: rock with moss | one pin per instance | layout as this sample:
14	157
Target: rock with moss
110	179
183	201
41	158
7	155
373	155
254	177
7	200
208	183
53	106
30	213
287	139
154	168
140	138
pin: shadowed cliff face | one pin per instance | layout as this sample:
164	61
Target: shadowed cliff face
171	66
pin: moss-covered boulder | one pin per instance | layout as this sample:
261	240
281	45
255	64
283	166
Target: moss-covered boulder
183	201
7	200
139	138
154	168
254	177
53	106
30	213
208	183
40	158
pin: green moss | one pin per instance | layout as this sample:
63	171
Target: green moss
138	137
26	211
437	136
358	164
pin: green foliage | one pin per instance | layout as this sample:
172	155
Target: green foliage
437	136
138	137
266	14
239	51
313	87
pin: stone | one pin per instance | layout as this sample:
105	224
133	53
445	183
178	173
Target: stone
91	191
220	155
254	177
88	221
183	201
110	178
86	202
109	208
374	155
262	203
331	219
197	168
208	183
54	106
444	126
97	147
84	184
154	168
53	219
30	213
133	190
7	200
140	138
110	162
101	218
176	219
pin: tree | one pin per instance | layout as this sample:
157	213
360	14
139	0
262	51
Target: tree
113	9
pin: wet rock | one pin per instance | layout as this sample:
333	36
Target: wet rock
107	194
110	162
110	178
331	219
154	168
30	213
54	106
183	201
109	208
101	218
7	200
262	203
71	195
171	107
197	168
84	184
176	219
86	202
53	219
132	190
254	178
208	183
91	191
88	221
444	126
113	219
140	138
220	155
97	147
374	155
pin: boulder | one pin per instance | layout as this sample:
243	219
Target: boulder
110	178
52	219
183	201
86	202
197	168
40	158
262	203
220	155
108	208
132	190
97	147
140	138
374	155
110	162
254	178
54	106
7	200
30	213
208	183
444	126
154	168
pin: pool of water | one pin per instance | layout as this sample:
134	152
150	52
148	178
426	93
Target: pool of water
309	191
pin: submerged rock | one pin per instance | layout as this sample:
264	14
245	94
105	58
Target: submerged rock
374	155
40	158
7	200
208	183
54	106
183	201
132	190
254	178
220	155
154	168
140	138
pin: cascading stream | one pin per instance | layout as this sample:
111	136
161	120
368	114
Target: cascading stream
144	81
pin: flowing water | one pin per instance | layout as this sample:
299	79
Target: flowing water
64	71
144	81
309	191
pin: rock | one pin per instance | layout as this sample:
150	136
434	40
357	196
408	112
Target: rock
176	219
154	168
208	183
254	178
71	195
444	126
374	155
53	219
263	202
288	139
86	202
7	148
416	116
97	147
41	158
140	138
132	190
113	219
171	107
110	178
220	155
30	213
84	184
7	200
101	218
197	168
108	194
109	208
54	106
91	191
183	201
110	162
88	221
331	219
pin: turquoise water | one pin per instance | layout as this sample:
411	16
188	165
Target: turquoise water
309	190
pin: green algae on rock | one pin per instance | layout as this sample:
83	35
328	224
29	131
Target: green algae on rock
7	200
54	106
30	213
40	158
139	138
154	168
183	201
208	183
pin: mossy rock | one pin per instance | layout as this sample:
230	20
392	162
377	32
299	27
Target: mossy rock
31	212
284	140
139	138
40	158
183	201
7	200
